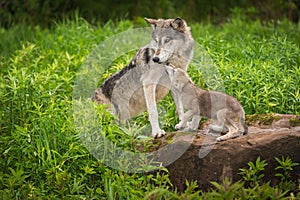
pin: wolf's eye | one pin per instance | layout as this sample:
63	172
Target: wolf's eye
167	40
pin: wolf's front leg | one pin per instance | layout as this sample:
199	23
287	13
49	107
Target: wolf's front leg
149	92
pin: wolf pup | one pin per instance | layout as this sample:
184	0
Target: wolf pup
144	81
226	112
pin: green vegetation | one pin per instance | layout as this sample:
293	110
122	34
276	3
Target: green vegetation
43	12
42	156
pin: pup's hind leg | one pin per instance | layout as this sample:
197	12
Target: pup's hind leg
232	133
218	123
225	120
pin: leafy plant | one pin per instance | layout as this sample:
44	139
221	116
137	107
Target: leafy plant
258	189
285	166
253	174
226	190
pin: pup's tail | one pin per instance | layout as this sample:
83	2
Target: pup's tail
245	126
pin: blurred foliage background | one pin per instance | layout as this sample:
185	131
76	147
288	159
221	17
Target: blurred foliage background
44	12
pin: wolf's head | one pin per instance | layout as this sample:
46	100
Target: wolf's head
177	24
172	41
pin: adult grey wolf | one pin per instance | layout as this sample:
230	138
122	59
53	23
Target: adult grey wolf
224	110
144	81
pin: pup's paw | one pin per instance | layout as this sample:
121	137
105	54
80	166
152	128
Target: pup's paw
219	139
159	133
222	138
179	126
189	124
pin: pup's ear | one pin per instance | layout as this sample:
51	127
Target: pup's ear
152	22
178	24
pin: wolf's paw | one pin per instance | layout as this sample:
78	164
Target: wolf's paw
159	133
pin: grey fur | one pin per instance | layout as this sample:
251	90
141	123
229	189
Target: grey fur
138	86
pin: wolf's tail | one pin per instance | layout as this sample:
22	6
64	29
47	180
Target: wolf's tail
99	97
243	120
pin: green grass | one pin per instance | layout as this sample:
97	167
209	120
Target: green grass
42	156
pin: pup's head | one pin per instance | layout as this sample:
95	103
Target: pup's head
170	36
178	77
170	71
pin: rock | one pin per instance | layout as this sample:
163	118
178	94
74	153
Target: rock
207	160
267	121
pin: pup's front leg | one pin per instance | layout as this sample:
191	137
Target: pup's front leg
178	104
186	117
193	126
149	92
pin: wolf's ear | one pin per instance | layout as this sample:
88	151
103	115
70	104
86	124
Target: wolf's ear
152	22
178	24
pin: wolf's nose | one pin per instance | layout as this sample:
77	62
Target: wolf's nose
155	59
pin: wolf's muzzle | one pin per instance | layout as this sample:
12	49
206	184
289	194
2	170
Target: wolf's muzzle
155	59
